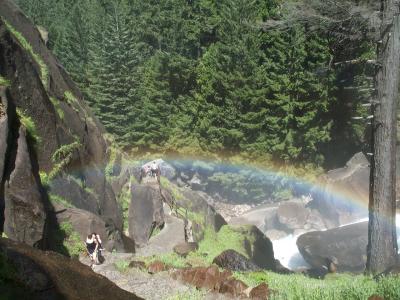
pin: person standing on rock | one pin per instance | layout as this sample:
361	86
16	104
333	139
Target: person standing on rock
154	169
92	246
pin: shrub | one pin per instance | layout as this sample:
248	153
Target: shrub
57	107
72	241
121	265
29	124
63	156
4	81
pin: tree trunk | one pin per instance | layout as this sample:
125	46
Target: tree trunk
382	243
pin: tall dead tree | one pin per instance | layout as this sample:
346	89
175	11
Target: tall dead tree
382	242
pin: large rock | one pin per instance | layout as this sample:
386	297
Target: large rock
345	191
70	189
62	120
3	130
145	212
347	244
292	215
84	223
259	248
234	261
183	249
196	203
24	214
51	276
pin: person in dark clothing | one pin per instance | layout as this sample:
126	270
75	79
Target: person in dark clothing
92	246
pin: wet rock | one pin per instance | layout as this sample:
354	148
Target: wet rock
274	234
260	292
145	212
232	260
156	267
137	264
196	183
270	218
292	215
353	180
347	244
279	268
24	214
184	249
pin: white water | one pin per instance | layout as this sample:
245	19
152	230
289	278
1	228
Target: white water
285	249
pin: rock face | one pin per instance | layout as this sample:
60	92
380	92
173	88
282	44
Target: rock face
24	214
3	129
145	212
85	222
347	244
196	202
340	185
234	261
70	152
292	215
51	276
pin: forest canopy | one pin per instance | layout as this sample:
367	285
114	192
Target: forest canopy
205	76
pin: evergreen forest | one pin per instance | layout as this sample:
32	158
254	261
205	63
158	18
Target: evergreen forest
206	77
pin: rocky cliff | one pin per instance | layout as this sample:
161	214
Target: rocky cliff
52	148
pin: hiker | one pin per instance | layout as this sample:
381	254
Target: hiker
93	247
154	169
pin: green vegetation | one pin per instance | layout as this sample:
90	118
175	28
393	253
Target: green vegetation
122	265
204	78
44	72
60	200
124	200
57	107
228	237
113	153
169	259
71	242
4	81
334	287
30	125
62	157
44	178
